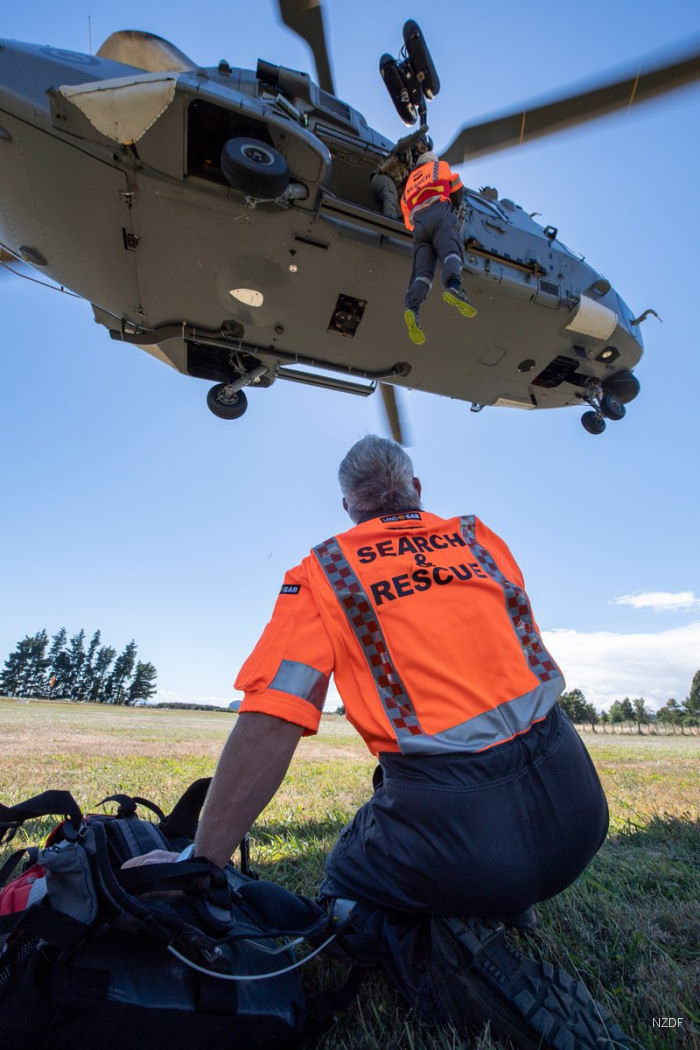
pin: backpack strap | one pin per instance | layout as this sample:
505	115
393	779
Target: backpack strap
182	822
128	803
13	860
48	803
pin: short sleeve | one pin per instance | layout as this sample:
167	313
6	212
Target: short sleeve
288	671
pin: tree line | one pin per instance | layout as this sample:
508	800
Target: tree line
635	711
68	669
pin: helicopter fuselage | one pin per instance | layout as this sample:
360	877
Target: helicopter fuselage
111	185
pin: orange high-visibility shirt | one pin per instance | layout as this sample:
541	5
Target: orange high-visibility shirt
428	183
426	626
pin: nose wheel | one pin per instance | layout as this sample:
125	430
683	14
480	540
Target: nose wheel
226	402
603	406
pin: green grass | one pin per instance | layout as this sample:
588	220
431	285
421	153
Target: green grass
629	926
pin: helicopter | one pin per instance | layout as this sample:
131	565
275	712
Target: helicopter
222	220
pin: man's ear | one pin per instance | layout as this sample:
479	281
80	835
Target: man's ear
417	486
345	504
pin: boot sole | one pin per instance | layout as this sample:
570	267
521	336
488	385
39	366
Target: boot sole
466	309
482	977
415	332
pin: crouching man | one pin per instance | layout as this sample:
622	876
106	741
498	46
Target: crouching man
486	801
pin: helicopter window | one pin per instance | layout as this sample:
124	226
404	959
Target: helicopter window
209	128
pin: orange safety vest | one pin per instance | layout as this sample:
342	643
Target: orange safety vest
428	183
426	626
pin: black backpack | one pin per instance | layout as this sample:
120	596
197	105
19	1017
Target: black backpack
175	955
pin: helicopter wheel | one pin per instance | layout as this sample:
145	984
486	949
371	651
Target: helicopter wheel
255	168
611	407
226	406
593	422
421	59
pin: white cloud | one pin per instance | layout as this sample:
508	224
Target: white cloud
659	601
608	666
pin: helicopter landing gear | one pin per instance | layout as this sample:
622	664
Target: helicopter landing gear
604	406
226	402
593	422
611	407
255	168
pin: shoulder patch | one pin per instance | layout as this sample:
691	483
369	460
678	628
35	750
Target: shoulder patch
290	588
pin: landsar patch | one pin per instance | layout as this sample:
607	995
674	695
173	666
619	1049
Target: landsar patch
409	515
290	588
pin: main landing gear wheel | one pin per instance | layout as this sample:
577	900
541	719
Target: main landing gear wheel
255	168
593	422
605	404
226	403
611	407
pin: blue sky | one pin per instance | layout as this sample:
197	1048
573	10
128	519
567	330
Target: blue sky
128	506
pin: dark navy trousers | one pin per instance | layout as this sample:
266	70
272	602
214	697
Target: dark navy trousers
436	237
482	834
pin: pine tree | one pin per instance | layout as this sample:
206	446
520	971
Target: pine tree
76	654
100	678
14	667
143	684
116	686
59	664
35	664
86	677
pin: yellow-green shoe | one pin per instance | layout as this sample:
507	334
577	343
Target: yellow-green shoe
456	297
415	332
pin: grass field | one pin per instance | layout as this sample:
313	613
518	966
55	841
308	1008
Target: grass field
630	926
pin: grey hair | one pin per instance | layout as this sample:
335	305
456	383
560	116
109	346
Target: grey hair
376	477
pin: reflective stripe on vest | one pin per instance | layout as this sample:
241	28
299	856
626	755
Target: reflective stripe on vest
363	622
517	606
481	731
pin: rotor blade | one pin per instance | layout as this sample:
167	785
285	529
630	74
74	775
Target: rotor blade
305	18
399	430
514	129
145	51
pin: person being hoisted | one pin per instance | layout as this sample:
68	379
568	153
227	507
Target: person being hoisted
429	201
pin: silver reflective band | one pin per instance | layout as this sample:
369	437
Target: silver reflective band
301	680
495	726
